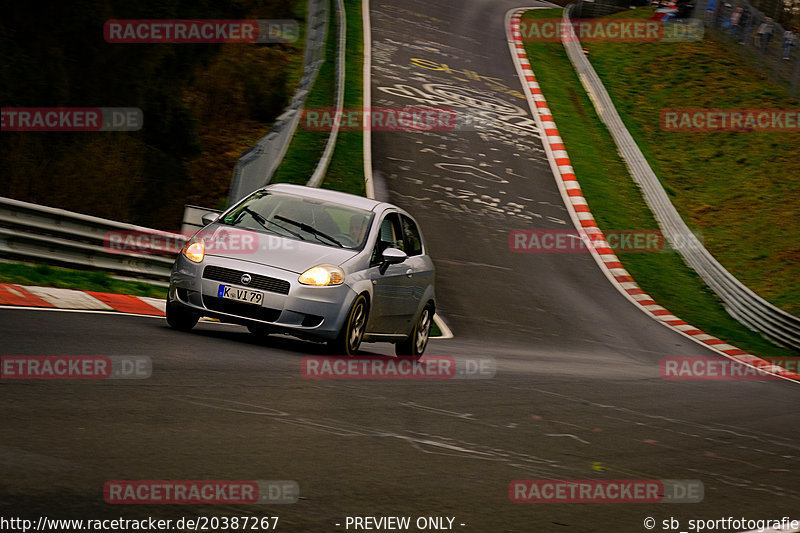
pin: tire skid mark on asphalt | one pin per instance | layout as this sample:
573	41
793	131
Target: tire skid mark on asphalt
445	412
204	402
422	442
333	427
470	264
737	431
715	455
698	436
568	435
704	427
489	101
774	490
540	418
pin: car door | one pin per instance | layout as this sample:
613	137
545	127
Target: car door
420	272
393	303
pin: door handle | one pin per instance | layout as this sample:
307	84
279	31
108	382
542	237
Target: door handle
409	273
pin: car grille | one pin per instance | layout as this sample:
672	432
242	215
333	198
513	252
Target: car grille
229	275
241	309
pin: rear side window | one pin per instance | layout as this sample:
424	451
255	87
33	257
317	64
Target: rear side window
413	242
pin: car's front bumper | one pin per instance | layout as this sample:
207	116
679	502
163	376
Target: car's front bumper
316	312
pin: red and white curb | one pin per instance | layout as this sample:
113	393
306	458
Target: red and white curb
70	299
584	221
49	297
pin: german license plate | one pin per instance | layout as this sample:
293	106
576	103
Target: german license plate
240	295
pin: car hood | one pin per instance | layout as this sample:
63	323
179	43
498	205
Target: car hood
273	250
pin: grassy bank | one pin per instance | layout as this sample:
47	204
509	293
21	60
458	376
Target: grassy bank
616	201
65	278
306	146
739	189
346	170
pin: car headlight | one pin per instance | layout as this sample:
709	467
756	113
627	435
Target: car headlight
194	250
322	275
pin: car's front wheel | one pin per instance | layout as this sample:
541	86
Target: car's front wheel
352	331
180	317
414	345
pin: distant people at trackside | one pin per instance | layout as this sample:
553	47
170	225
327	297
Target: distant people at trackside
765	31
735	21
789	40
744	25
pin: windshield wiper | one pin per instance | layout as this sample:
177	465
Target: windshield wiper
309	229
263	221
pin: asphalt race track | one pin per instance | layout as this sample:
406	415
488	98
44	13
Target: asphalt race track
577	392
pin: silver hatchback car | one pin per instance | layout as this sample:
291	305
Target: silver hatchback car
313	263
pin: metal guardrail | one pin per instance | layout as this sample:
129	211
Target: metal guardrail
258	163
56	236
742	303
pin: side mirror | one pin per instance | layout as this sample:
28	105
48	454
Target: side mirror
209	218
392	256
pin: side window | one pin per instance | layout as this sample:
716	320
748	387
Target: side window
411	237
391	236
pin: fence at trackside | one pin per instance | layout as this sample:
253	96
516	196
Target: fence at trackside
258	163
592	9
742	303
31	232
736	23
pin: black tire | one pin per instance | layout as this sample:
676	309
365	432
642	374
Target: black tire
180	317
414	345
352	332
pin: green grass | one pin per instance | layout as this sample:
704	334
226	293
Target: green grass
346	168
616	201
740	189
65	278
306	146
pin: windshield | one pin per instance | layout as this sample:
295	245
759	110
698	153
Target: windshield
305	219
